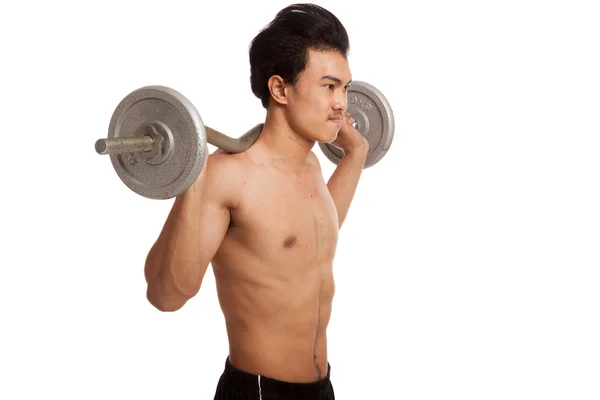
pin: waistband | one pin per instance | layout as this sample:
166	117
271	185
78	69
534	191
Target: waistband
249	382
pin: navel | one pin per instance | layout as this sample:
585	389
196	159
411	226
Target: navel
290	241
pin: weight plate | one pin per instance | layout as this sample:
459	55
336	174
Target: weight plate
373	113
159	110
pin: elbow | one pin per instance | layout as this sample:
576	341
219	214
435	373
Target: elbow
156	291
163	303
166	307
164	292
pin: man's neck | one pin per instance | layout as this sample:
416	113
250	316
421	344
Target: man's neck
283	144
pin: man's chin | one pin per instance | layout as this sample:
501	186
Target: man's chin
329	140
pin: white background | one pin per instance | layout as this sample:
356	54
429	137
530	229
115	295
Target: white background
468	267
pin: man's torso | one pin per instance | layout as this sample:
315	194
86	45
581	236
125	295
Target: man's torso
274	270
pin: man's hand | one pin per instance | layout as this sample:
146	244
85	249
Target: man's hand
349	138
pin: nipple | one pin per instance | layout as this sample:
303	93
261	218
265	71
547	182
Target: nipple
290	241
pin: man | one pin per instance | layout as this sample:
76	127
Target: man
266	220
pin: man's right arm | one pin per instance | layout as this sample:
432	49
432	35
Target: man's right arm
191	236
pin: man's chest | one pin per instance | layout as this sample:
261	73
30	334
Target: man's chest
284	219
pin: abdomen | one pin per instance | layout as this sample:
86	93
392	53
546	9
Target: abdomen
276	327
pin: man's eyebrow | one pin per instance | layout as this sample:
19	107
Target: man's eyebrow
336	80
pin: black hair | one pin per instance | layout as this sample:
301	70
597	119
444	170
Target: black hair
281	48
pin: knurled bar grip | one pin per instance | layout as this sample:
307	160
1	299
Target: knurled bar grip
145	143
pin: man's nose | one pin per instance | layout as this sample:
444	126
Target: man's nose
340	102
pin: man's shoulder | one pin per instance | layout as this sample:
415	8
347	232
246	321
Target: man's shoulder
225	174
223	162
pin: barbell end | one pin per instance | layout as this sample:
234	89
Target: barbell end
101	146
124	145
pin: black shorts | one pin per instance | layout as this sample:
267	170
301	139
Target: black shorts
235	384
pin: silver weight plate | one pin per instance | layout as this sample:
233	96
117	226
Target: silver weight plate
375	119
155	110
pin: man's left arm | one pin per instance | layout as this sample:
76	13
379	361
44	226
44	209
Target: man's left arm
343	182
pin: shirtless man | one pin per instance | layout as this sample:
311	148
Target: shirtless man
267	221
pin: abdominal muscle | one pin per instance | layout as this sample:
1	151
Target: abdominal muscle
276	322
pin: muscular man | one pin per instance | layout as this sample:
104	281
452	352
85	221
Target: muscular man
267	221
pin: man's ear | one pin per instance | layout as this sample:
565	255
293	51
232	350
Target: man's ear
278	89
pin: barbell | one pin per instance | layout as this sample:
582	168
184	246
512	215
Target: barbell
157	140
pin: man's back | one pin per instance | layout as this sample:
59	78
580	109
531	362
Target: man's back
273	269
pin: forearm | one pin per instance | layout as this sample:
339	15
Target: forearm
343	182
173	271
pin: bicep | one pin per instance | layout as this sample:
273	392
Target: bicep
213	225
217	197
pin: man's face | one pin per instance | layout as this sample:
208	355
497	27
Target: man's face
319	98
